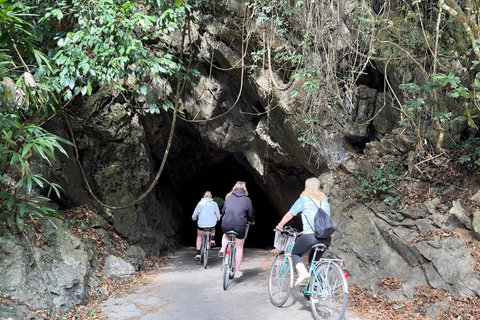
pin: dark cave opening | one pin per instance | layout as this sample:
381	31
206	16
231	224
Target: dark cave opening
219	178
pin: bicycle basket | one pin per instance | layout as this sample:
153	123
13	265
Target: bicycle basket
282	242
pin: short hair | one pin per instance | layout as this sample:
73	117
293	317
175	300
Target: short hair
207	194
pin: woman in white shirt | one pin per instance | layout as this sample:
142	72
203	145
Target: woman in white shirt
207	214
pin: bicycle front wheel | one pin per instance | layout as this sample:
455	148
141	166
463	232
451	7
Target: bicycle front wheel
329	292
280	282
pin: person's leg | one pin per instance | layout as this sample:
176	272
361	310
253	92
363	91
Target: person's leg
224	245
213	232
199	239
213	236
303	244
238	253
199	243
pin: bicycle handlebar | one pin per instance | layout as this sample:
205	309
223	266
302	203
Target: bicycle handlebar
288	230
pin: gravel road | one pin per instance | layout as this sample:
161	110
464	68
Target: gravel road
185	290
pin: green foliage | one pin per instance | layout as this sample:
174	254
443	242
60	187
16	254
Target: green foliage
50	238
18	144
69	48
25	99
380	181
91	312
470	156
74	222
107	46
308	137
219	201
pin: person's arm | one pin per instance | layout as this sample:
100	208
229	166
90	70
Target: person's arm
287	217
195	213
217	212
250	213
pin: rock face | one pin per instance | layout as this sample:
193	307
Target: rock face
252	118
54	276
421	244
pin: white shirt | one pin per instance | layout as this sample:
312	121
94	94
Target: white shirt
207	213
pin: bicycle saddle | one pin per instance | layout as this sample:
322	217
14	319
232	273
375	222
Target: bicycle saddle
320	246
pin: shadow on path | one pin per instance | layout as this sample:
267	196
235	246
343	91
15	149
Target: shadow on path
185	290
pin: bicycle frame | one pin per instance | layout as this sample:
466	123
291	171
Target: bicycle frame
326	287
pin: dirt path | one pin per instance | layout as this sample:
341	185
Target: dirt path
185	290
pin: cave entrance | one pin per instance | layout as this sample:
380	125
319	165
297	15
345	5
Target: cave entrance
219	178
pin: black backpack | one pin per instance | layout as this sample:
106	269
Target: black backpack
323	224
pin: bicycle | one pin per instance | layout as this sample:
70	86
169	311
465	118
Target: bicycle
206	245
229	258
326	289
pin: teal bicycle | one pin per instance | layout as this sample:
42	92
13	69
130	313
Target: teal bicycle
326	289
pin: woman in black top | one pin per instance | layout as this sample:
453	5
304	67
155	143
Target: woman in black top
237	214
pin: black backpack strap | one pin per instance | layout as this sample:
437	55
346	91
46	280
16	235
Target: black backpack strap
313	229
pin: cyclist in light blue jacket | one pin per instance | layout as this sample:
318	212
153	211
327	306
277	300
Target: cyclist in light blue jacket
207	214
307	204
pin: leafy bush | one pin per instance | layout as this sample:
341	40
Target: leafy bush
25	102
379	182
470	153
106	44
18	145
219	201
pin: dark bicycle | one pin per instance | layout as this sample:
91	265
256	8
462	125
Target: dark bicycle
229	259
206	245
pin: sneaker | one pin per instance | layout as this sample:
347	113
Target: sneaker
220	254
238	274
212	243
197	257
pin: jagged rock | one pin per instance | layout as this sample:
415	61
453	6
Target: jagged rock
414	212
136	257
56	276
116	267
476	224
449	266
97	221
107	242
476	197
458	211
433	311
430	206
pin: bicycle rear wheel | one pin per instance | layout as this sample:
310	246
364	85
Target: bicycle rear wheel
226	266
206	250
231	264
330	292
202	249
280	282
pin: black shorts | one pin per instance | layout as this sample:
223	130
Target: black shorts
240	230
203	229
